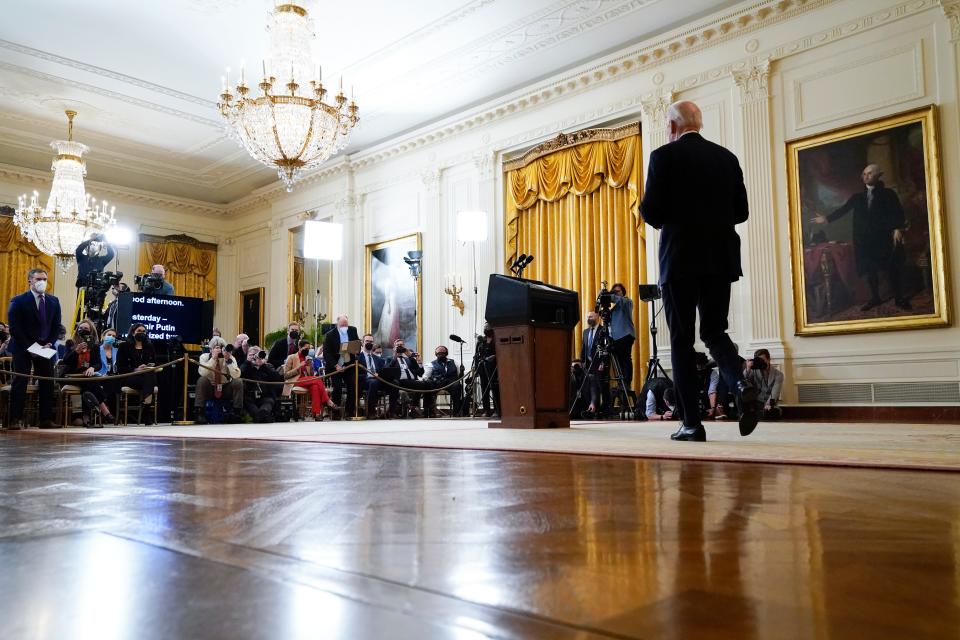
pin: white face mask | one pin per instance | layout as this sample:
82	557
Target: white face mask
40	286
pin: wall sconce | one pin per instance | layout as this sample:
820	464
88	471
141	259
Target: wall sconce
414	260
453	288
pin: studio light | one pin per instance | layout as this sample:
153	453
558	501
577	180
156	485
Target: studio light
322	240
119	236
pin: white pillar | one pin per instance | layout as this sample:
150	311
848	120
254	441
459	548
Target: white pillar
655	133
761	263
431	276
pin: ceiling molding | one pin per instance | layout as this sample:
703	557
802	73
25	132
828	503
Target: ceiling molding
107	93
106	73
43	179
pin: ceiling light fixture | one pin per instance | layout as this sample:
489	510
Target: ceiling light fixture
292	130
71	215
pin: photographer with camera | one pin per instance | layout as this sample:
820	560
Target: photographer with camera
92	254
259	399
114	306
768	381
155	282
622	333
486	365
219	378
410	365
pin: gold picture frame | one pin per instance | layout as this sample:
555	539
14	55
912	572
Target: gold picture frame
392	275
254	298
883	266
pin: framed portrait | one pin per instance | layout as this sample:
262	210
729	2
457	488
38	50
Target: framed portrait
866	227
251	314
393	297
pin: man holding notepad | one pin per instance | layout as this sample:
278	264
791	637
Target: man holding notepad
34	317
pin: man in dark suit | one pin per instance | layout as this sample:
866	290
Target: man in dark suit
34	317
695	196
409	373
593	392
284	346
370	376
338	335
443	371
878	227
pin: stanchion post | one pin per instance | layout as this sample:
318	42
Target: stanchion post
356	393
186	377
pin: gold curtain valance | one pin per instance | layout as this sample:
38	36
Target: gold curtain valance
573	164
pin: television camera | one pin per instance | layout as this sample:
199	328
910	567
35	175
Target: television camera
148	282
95	286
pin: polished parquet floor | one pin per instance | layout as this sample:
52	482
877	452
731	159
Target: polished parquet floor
108	537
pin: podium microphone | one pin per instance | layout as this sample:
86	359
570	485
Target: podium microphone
528	261
457	338
516	263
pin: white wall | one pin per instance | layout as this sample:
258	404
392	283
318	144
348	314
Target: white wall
763	72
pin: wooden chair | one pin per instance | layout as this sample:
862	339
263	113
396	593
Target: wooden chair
301	402
123	405
68	393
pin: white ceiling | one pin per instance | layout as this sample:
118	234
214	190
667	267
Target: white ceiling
144	75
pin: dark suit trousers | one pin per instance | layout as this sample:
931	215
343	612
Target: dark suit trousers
682	299
22	363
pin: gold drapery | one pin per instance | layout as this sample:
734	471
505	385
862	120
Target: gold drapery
574	204
191	265
17	256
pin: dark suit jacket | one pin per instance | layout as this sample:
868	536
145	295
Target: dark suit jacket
412	364
585	357
331	347
128	359
873	227
695	195
378	362
24	320
279	352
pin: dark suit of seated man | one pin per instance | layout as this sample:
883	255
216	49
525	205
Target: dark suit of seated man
259	399
340	334
410	374
34	317
373	366
443	371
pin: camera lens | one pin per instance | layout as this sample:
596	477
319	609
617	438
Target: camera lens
262	354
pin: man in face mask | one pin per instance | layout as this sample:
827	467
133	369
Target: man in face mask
370	377
285	346
443	371
341	334
34	317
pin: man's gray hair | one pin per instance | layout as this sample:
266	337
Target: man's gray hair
686	115
217	341
344	317
34	272
876	168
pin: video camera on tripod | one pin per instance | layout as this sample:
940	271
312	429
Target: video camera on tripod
95	285
148	282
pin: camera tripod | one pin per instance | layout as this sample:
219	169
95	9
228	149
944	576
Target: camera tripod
654	368
471	387
602	353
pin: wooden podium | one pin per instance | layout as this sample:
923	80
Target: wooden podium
532	324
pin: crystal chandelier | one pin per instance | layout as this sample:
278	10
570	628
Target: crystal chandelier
71	214
291	129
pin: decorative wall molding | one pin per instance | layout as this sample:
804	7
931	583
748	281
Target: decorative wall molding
754	82
566	140
951	9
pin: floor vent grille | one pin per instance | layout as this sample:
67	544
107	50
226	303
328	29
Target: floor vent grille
879	392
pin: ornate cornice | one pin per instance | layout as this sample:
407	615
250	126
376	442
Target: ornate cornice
42	179
431	179
485	162
655	108
567	140
951	9
179	238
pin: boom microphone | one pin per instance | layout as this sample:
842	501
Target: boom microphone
457	338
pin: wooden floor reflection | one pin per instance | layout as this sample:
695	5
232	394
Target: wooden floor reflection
127	538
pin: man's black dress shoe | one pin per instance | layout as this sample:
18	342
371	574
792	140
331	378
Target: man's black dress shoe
747	404
47	424
690	434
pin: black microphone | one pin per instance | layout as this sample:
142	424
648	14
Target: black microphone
457	338
516	263
529	260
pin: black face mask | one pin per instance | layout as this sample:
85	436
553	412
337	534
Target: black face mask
83	331
304	352
294	335
441	357
140	337
3	336
368	346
